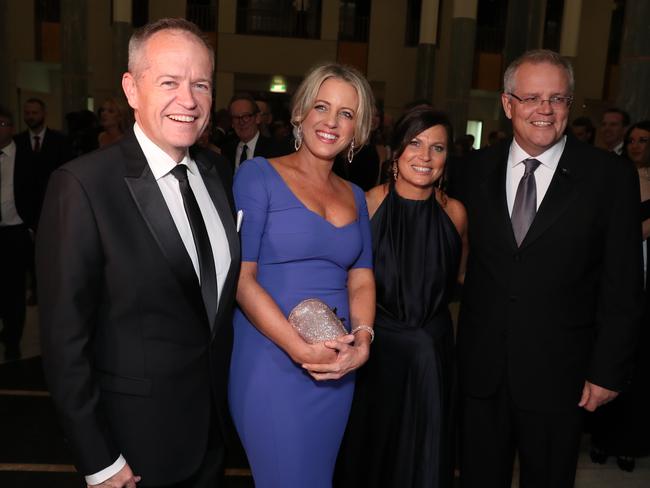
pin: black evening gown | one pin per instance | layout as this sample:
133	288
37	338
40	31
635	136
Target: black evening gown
399	432
622	427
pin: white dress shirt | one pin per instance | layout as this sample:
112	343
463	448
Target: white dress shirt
250	149
161	164
549	160
8	212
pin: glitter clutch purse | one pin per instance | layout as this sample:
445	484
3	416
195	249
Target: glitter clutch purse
315	321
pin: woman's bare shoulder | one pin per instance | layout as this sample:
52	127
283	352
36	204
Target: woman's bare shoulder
374	197
456	212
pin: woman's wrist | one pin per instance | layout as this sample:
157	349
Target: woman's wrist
363	331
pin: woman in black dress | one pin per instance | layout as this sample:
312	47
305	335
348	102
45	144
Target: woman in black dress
399	431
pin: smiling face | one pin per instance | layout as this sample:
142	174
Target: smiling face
612	129
422	163
638	146
245	119
171	90
537	128
329	126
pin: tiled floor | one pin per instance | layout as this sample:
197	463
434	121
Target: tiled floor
589	475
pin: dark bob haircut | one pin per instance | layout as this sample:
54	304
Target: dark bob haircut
414	122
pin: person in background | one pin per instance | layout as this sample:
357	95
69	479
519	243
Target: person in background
400	432
114	120
16	220
266	116
305	234
245	117
612	129
622	428
583	130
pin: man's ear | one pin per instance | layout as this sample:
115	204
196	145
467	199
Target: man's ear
130	90
506	101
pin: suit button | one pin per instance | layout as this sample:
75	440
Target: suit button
517	258
513	298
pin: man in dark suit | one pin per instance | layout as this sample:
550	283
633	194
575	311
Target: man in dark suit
138	257
245	117
46	148
551	302
613	127
16	218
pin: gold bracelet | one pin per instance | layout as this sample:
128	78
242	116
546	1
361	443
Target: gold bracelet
367	328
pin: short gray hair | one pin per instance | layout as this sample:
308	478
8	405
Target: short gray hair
303	99
537	56
140	37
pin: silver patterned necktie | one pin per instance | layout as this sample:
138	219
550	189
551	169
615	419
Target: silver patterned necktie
525	207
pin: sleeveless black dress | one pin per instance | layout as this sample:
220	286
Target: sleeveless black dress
399	431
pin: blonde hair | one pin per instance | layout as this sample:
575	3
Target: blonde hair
123	111
303	99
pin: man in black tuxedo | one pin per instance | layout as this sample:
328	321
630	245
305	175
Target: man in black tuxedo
138	257
245	117
16	218
46	148
551	302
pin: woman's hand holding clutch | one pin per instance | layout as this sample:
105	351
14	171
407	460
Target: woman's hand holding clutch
350	355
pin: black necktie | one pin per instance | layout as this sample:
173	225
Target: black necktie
201	242
244	155
525	207
37	143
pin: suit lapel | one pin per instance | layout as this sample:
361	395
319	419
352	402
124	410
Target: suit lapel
151	205
217	193
494	189
559	195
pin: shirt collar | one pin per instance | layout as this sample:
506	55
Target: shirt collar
9	149
159	161
549	158
40	134
250	143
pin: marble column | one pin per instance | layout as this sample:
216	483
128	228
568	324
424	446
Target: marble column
461	63
524	28
74	66
633	93
524	31
426	55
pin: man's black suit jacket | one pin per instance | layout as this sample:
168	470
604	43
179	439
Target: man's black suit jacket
131	361
565	306
55	151
265	147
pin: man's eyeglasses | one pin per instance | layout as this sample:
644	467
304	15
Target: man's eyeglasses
243	118
556	101
5	124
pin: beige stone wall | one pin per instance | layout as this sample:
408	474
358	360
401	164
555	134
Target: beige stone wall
390	62
103	80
